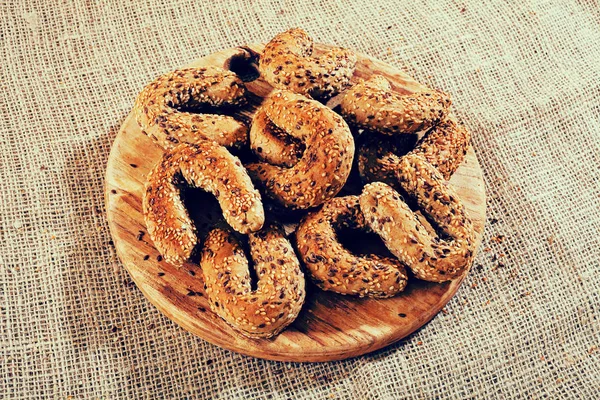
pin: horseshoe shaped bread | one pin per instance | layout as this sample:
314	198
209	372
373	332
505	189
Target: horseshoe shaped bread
287	63
429	256
280	292
325	165
160	109
373	105
332	267
204	165
444	147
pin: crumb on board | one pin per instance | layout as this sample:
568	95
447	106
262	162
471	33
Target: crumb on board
498	239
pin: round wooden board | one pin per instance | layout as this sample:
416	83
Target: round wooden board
330	326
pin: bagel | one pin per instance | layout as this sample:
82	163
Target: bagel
372	104
287	63
332	267
430	257
204	165
161	109
325	165
280	292
443	146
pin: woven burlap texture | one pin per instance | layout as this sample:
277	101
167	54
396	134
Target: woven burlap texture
524	76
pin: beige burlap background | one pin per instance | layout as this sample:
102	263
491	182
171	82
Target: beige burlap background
525	76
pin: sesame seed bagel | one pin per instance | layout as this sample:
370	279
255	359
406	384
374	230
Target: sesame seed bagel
204	165
332	267
429	256
373	105
287	63
444	146
280	292
325	165
161	109
271	144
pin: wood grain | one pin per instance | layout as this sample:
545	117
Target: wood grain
331	326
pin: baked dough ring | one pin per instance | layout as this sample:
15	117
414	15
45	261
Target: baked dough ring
204	165
429	256
280	293
287	63
443	146
332	267
325	165
159	115
373	105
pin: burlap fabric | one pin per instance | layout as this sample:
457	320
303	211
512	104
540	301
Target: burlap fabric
525	77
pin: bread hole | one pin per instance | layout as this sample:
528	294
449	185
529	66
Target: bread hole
295	145
204	211
243	241
362	243
244	64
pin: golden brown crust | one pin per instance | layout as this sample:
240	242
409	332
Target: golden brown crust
271	144
280	292
287	63
325	165
332	267
445	146
373	105
157	108
204	165
429	256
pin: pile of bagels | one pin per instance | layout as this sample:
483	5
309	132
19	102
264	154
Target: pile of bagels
303	154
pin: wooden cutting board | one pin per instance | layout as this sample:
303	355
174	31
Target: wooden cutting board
330	326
